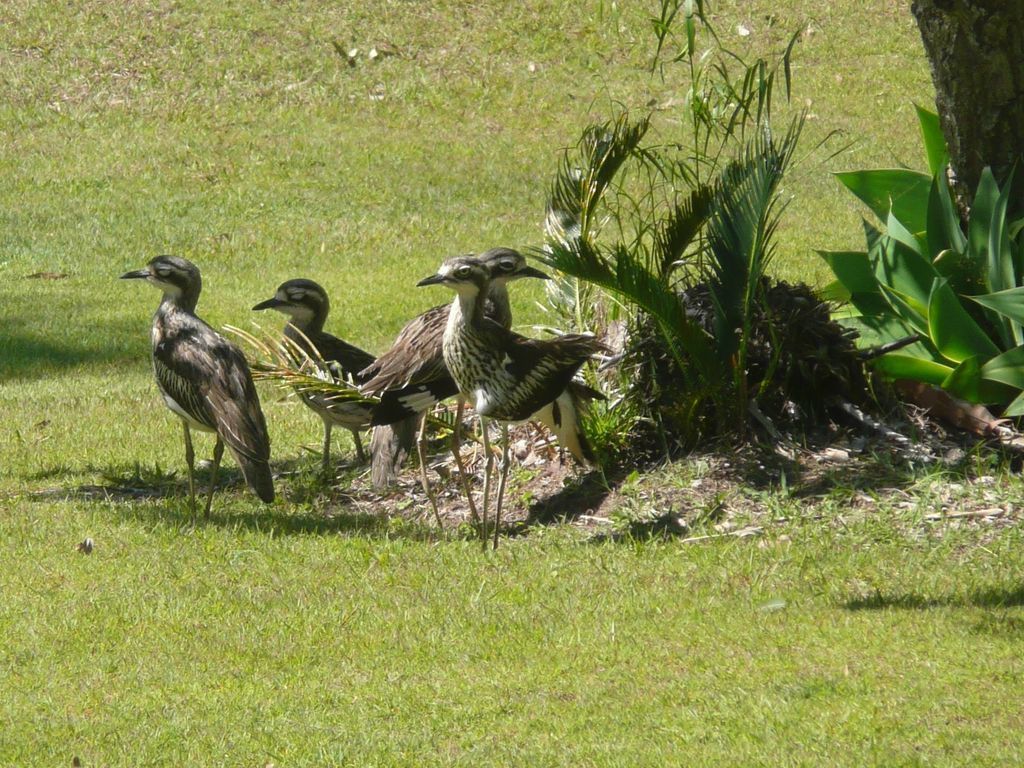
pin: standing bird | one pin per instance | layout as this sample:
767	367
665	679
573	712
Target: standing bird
306	304
411	377
204	379
508	377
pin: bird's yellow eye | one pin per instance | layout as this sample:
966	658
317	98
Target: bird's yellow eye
507	265
163	272
463	271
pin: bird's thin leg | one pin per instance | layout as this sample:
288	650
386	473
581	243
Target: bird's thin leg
421	450
190	457
457	453
325	465
360	455
218	451
488	469
502	480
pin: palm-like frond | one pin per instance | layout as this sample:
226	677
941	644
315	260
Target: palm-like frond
744	216
676	234
637	274
740	235
286	362
580	185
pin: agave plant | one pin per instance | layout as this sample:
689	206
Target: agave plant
958	295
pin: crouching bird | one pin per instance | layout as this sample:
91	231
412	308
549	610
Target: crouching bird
204	379
507	377
306	304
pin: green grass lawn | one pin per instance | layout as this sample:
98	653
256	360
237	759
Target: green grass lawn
237	135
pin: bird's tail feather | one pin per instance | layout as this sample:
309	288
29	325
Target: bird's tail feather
257	476
562	417
389	445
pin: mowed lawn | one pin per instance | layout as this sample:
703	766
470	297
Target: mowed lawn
241	136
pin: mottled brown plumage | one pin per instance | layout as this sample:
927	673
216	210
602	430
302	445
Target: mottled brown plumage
503	375
204	378
411	376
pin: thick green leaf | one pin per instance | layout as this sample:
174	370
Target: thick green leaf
852	269
944	228
857	280
954	332
967	383
911	312
899	366
873	331
901	191
985	199
1001	258
1008	303
934	141
872	234
1007	368
945	262
901	234
965	380
904	271
835	292
1016	408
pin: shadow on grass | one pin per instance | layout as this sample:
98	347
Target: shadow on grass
152	495
269	519
27	356
580	496
993	597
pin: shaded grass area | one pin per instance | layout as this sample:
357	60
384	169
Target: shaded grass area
336	645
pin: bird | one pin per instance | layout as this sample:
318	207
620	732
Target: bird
204	379
508	377
306	304
411	376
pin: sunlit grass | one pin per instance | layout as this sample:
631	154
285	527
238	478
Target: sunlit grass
255	639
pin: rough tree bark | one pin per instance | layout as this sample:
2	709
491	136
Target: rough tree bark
976	49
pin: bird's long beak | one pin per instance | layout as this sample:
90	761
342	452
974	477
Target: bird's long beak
138	274
432	280
532	272
268	304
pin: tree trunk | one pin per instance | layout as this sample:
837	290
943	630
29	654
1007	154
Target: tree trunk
976	49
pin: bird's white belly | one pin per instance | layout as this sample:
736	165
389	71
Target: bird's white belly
185	417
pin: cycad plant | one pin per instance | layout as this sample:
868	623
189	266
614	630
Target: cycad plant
651	230
718	236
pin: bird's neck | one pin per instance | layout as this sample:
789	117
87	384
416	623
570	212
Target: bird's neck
184	301
308	322
497	306
467	309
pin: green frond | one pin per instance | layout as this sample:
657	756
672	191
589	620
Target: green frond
676	233
744	217
283	361
584	175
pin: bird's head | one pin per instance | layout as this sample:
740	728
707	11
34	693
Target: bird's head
302	300
178	278
506	264
466	275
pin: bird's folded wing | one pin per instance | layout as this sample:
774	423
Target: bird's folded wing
220	386
415	356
